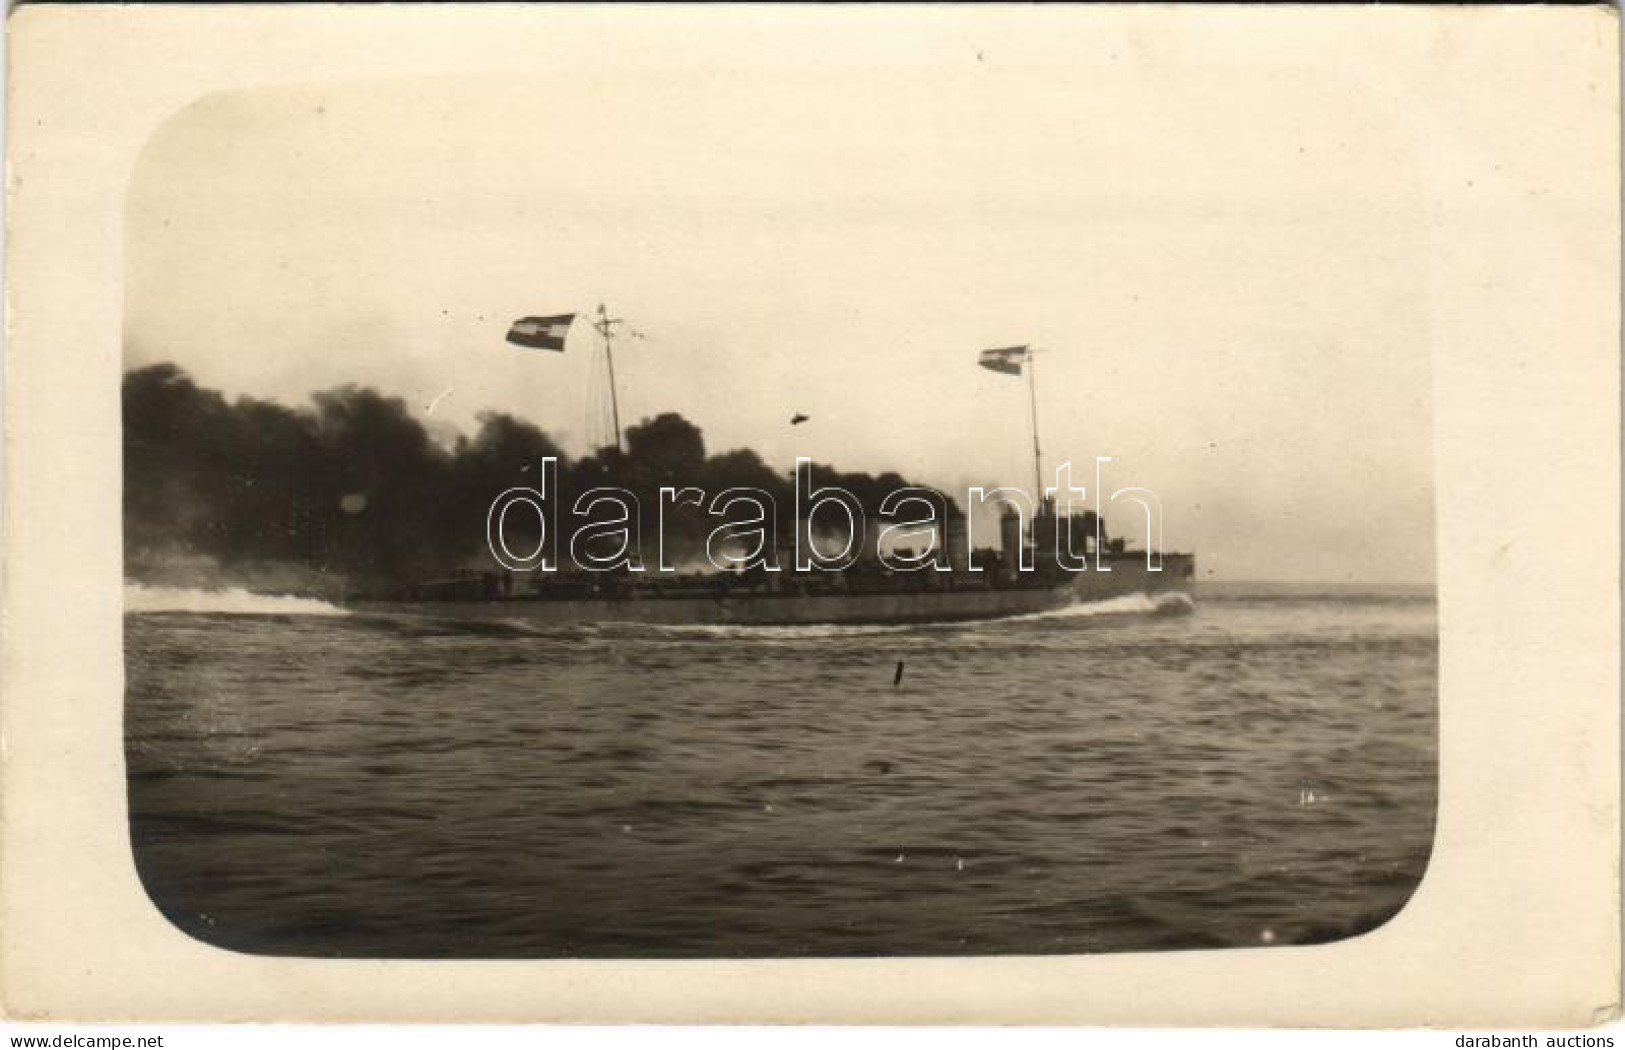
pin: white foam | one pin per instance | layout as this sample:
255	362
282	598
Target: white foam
1128	604
140	598
1124	605
789	632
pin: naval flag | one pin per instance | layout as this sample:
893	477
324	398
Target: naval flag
541	333
1006	359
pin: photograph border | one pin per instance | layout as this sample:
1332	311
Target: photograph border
1517	919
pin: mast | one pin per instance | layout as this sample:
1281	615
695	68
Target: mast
1032	393
605	325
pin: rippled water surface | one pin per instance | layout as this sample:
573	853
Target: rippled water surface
1262	771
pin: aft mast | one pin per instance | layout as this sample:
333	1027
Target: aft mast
1013	361
1032	395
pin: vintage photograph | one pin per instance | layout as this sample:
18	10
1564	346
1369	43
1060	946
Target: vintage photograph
962	507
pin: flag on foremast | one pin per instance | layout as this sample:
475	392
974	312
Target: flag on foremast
541	333
1007	359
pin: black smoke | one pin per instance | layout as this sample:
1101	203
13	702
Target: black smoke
351	495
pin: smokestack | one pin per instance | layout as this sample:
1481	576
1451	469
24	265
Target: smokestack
956	538
1010	540
871	540
1046	527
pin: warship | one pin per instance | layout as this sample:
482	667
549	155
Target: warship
978	585
1026	574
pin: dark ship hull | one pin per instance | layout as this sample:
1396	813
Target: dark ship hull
976	598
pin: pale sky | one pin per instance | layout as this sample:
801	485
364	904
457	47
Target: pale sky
1225	265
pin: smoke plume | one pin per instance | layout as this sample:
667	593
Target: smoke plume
350	494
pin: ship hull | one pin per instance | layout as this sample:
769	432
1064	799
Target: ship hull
1125	577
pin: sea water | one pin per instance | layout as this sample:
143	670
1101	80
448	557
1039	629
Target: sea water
307	782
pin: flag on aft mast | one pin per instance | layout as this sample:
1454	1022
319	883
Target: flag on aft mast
1007	359
541	333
